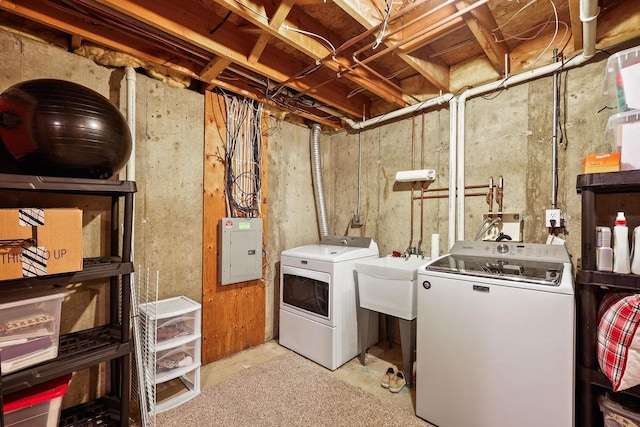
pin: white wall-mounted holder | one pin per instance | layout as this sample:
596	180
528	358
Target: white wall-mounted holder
419	175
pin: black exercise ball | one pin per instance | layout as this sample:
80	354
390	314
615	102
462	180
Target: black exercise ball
58	128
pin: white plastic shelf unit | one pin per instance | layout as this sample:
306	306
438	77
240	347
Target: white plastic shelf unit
176	345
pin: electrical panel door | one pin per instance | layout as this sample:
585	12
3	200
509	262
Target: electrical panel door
240	250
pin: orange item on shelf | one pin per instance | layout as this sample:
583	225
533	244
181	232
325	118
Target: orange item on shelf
598	163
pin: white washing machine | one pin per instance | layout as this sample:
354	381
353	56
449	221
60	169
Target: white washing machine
318	298
495	336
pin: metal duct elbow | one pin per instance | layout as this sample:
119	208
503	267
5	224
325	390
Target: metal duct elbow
317	180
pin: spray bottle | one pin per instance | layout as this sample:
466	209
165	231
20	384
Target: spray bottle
621	245
604	253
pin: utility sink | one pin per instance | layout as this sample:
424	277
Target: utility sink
389	285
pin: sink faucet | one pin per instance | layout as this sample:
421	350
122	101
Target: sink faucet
411	251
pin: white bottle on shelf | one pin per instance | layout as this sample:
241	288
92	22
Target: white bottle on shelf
621	245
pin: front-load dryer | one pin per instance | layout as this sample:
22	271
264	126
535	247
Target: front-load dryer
318	312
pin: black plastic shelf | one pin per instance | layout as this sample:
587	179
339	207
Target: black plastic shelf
610	182
591	277
98	187
592	285
597	378
93	268
100	412
77	351
88	348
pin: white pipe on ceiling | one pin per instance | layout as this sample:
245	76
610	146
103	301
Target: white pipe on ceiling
439	100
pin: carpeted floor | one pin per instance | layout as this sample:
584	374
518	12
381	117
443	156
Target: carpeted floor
286	391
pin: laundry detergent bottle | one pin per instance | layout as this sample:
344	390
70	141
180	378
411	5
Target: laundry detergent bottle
621	245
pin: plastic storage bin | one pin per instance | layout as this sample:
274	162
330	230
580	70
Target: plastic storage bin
29	326
176	325
173	362
616	414
623	133
37	406
622	78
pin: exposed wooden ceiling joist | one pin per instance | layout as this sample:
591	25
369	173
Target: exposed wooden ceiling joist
325	60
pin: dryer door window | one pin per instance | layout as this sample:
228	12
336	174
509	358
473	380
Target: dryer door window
307	291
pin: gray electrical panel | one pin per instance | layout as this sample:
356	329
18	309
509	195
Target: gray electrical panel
240	250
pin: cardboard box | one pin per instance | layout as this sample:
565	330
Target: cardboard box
37	242
598	163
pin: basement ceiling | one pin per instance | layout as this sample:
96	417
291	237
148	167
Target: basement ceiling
324	60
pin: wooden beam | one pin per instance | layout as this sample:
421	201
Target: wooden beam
281	13
576	23
370	16
44	13
235	47
618	24
481	23
278	18
213	69
312	47
259	47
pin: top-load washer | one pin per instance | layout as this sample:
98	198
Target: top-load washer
318	312
495	336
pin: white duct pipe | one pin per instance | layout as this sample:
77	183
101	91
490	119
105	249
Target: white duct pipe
588	15
317	180
130	74
453	138
401	112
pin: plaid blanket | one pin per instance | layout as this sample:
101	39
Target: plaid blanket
619	339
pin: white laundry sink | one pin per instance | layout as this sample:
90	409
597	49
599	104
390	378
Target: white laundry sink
389	285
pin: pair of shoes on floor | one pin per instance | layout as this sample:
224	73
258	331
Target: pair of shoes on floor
393	380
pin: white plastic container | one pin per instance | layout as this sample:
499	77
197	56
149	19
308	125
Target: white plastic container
621	245
29	326
37	406
616	414
623	133
622	78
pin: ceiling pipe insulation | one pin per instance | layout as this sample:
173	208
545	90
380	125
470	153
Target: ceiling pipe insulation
588	15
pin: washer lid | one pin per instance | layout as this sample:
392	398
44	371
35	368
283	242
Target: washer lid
541	272
531	263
